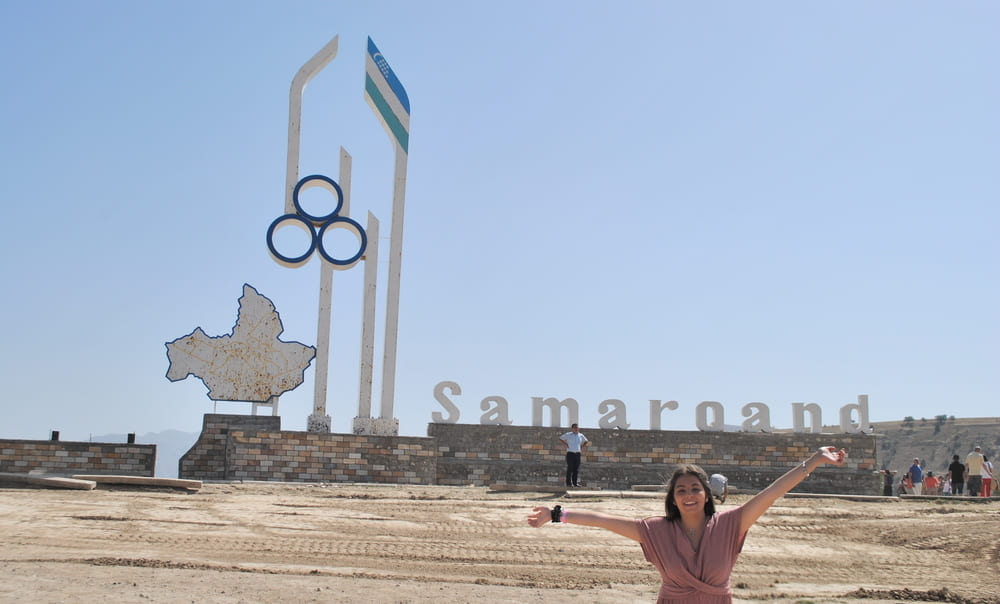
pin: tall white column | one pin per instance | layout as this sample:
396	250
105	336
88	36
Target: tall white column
389	424
320	421
364	423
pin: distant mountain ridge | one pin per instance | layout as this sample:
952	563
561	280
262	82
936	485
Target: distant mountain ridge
170	445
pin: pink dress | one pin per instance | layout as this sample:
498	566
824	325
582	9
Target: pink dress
700	577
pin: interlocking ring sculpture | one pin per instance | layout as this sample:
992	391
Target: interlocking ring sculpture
310	224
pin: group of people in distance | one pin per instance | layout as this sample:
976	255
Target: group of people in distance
694	546
974	477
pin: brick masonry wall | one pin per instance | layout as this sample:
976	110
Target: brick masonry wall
67	458
208	457
619	459
238	447
244	447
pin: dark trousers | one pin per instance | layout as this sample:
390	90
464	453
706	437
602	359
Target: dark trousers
957	488
573	469
974	483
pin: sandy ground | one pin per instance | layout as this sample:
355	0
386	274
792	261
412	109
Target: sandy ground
371	543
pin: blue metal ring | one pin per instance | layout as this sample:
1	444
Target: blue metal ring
293	261
351	224
318	180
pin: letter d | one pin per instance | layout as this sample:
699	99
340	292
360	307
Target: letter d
849	427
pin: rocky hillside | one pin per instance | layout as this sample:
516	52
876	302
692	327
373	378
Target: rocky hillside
934	441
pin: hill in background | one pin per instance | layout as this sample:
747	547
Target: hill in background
934	441
170	445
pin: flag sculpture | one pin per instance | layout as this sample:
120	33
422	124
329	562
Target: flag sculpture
388	99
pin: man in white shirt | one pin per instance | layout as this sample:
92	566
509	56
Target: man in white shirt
575	443
720	487
974	471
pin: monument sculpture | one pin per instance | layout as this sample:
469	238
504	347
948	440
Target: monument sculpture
388	99
211	358
250	364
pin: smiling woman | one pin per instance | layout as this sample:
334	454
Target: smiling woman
693	546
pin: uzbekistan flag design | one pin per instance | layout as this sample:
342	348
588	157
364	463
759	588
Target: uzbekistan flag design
387	97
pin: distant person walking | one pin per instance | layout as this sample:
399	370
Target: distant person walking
956	474
916	474
988	479
576	443
905	485
931	484
887	475
974	470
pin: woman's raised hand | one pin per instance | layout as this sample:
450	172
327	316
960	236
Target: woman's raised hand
832	455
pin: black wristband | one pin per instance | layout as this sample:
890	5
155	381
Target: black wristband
557	514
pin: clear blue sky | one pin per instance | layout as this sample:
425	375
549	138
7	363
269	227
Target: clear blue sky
740	202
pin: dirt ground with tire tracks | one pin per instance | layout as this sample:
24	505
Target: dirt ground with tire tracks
373	543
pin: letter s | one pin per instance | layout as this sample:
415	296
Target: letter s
441	397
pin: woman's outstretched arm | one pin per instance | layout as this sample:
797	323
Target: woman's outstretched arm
757	505
625	527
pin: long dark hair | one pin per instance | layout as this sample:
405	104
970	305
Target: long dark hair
673	512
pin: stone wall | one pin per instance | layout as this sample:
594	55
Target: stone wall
67	458
619	459
252	447
245	447
241	447
208	457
